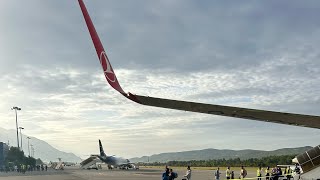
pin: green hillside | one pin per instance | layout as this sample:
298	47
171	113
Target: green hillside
207	154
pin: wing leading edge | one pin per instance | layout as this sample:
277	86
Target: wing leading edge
245	113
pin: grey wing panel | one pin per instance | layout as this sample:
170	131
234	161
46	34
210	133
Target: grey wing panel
253	114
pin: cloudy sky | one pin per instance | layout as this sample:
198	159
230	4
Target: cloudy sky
251	54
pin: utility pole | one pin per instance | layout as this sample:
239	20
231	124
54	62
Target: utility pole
21	137
28	145
32	151
17	109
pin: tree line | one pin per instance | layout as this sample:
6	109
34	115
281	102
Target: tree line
237	162
16	157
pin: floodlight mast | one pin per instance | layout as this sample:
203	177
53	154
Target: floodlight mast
28	145
15	108
21	138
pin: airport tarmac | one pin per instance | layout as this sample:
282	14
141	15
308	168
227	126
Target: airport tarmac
73	173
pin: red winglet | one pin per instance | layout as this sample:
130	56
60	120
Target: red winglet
104	61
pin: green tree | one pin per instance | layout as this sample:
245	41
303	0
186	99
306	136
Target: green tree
38	161
237	162
15	157
30	161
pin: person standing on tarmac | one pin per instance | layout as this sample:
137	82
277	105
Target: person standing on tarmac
274	173
172	175
217	174
288	173
259	173
165	175
243	173
188	173
267	171
228	173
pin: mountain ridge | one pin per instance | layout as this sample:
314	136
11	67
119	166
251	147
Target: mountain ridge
211	153
43	149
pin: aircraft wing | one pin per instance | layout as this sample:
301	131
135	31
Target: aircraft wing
237	112
253	114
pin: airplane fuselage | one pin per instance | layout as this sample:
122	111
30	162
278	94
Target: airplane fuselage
114	161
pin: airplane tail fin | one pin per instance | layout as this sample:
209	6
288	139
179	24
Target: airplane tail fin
101	149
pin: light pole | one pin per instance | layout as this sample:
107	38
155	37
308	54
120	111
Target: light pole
28	145
17	109
21	137
32	151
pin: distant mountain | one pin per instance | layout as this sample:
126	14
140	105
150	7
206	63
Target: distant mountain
43	150
207	154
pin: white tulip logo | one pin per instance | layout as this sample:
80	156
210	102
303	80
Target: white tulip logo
108	72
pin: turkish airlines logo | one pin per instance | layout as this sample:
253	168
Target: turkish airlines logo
108	72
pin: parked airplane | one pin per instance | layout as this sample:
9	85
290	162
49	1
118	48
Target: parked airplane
310	164
116	162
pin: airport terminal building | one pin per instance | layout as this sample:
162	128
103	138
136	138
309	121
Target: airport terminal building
4	148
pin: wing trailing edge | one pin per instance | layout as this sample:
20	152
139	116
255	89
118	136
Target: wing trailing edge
237	112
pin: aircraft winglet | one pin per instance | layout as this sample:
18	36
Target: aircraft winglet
102	55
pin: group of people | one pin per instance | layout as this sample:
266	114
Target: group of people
269	174
22	168
170	175
276	172
230	174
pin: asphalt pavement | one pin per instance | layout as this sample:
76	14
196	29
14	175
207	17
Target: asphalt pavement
73	173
